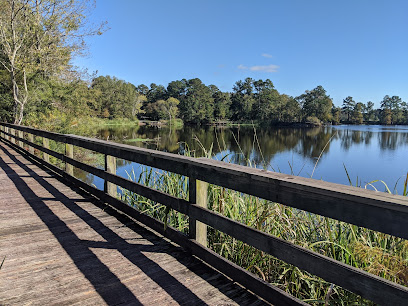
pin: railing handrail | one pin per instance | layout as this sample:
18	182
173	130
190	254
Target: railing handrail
278	183
374	210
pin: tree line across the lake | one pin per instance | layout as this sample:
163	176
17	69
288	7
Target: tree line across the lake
38	39
193	102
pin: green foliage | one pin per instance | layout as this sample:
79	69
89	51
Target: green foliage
260	101
177	89
189	100
369	111
336	114
197	105
222	103
170	183
116	98
37	81
286	109
313	120
392	110
38	39
316	103
348	107
6	97
242	100
376	253
357	115
168	109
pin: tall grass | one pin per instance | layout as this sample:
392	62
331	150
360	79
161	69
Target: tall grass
380	254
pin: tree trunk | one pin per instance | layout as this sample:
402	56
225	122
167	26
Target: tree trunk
19	100
19	114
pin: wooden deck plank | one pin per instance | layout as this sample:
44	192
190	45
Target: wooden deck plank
62	249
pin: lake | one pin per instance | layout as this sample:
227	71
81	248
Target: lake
368	153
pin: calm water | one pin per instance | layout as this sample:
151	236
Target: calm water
368	152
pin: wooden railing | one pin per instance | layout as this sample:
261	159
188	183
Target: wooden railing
374	210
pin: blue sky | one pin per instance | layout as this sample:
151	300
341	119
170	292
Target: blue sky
357	48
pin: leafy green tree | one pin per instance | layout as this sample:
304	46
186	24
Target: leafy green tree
404	108
391	112
357	115
136	105
316	103
369	111
152	110
348	107
116	97
105	87
156	93
142	89
222	103
197	106
242	100
177	89
336	114
285	109
56	103
397	114
386	116
168	109
266	99
39	38
6	97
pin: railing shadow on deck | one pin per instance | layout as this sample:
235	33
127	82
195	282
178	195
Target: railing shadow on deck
105	282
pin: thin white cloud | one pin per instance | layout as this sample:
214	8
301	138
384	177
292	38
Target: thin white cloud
266	68
267	55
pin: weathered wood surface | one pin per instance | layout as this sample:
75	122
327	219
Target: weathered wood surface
198	192
69	152
46	145
62	249
110	167
349	204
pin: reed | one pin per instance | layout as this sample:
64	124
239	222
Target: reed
380	254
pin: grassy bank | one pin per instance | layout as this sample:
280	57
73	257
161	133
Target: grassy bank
84	126
380	254
61	123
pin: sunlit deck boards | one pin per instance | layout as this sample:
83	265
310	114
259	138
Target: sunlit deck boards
62	249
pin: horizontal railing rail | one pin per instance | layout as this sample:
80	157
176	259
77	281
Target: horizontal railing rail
377	211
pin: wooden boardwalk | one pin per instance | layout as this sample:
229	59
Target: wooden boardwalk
62	248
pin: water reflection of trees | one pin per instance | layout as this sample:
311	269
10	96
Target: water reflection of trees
245	143
84	176
350	137
387	140
390	140
313	141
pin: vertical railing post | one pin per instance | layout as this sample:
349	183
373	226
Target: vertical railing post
20	135
13	132
30	138
69	152
110	167
46	144
2	130
198	192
